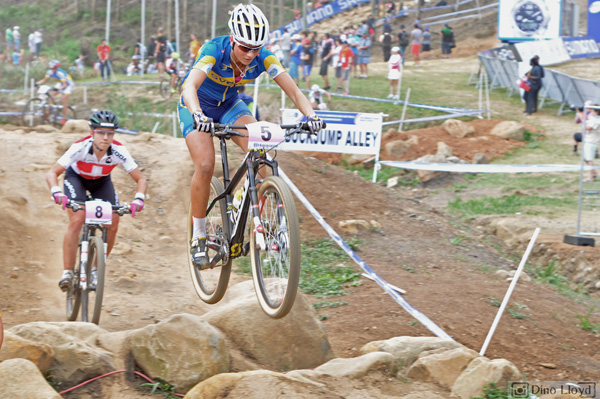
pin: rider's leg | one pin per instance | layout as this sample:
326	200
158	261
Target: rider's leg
202	150
65	106
71	239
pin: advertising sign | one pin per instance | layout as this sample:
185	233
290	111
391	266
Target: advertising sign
529	19
581	47
594	19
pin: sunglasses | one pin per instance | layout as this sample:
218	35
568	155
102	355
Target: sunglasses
248	49
104	132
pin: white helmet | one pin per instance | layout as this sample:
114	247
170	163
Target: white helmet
315	87
249	25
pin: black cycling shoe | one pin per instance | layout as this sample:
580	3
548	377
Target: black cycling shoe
199	253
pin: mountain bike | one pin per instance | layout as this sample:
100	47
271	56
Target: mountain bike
91	256
165	84
42	109
274	233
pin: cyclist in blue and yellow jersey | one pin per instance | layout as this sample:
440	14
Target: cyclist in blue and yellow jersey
65	84
210	94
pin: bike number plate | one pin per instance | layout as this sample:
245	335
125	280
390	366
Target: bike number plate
264	135
98	212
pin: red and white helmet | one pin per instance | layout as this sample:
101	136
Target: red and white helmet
249	26
54	64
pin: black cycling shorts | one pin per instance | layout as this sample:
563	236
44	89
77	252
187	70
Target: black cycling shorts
75	188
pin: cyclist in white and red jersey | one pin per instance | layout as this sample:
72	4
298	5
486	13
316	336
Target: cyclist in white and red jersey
64	85
87	165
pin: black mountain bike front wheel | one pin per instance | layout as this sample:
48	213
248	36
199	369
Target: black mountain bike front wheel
91	301
74	293
276	261
165	88
210	284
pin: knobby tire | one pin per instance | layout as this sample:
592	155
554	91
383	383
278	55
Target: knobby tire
95	296
74	293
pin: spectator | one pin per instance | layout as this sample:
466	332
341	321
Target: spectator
403	40
8	36
591	139
371	26
249	101
426	43
79	67
416	37
326	54
315	97
103	51
295	52
134	67
286	45
386	44
390	8
194	48
394	73
353	40
534	80
140	49
307	58
31	44
160	52
151	51
16	38
447	41
17	56
364	55
346	60
336	62
387	27
37	40
579	118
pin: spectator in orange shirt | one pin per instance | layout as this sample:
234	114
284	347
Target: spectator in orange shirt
346	61
103	51
194	48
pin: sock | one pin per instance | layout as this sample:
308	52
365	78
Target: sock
67	273
575	148
199	227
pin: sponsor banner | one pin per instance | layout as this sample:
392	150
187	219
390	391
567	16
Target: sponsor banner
317	15
346	132
550	51
505	53
529	19
593	19
581	47
486	168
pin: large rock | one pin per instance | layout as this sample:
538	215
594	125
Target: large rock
480	372
21	379
358	367
397	148
444	149
183	350
17	347
406	350
76	356
76	126
458	128
442	368
509	130
353	226
426	175
298	340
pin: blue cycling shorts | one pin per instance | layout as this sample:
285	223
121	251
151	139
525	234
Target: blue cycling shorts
226	113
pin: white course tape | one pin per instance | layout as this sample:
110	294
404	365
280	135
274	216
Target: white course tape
424	320
485	168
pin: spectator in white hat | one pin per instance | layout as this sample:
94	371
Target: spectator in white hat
394	72
17	38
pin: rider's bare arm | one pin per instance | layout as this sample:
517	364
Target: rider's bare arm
190	88
52	175
290	88
142	184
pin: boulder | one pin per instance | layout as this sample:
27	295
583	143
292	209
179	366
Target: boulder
458	128
480	372
76	356
442	368
480	158
17	347
426	175
21	379
406	350
444	149
353	226
76	126
298	340
183	350
509	130
397	148
357	367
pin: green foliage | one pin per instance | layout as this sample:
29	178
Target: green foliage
328	304
506	205
491	391
586	324
55	384
167	390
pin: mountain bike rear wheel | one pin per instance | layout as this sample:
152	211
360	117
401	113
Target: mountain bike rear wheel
56	115
165	88
74	293
91	304
276	263
35	112
211	284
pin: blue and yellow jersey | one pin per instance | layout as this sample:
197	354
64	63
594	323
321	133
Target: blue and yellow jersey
215	60
61	75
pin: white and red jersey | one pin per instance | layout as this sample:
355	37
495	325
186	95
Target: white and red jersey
80	156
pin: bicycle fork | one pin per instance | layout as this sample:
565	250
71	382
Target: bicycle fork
84	260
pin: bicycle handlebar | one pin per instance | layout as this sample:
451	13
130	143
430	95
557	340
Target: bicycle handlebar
227	131
118	209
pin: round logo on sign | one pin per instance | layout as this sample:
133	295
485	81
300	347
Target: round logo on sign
595	7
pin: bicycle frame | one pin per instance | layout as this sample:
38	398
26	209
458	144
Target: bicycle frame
88	231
